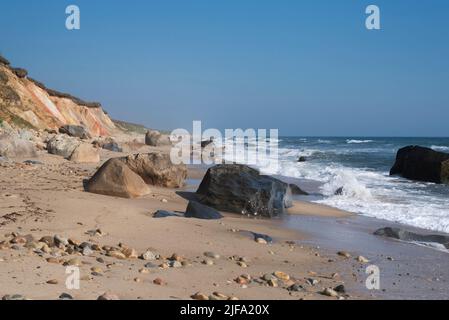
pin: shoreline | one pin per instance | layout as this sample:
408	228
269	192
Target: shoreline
48	199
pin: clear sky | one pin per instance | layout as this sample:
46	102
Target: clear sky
304	67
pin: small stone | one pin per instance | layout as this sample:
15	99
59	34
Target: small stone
48	240
60	241
100	260
312	282
108	296
175	264
176	257
13	297
150	265
52	281
241	280
208	262
242	264
53	260
330	292
65	296
87	251
220	296
281	275
296	287
137	280
272	283
148	256
74	262
117	254
130	253
19	240
344	254
164	200
362	259
212	255
96	270
144	271
261	241
158	281
268	277
199	296
340	289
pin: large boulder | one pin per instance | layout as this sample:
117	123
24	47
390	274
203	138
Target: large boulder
12	146
422	164
115	178
200	211
85	153
75	131
157	169
155	139
62	145
241	189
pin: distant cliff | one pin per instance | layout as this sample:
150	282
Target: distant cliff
25	102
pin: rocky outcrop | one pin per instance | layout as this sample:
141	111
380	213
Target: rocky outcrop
75	131
157	169
115	178
155	139
297	190
12	146
199	211
422	164
241	189
404	235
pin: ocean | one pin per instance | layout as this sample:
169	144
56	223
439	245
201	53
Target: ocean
361	167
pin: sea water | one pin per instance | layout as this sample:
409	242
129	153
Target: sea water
361	167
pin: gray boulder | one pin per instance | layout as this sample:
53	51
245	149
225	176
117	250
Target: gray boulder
75	131
62	145
404	235
241	189
14	147
155	139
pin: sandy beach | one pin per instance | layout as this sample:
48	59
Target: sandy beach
47	199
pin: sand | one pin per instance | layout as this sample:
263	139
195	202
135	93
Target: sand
48	199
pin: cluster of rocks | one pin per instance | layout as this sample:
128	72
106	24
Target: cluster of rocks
156	139
72	149
130	176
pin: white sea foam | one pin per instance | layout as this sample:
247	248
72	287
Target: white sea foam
440	148
351	141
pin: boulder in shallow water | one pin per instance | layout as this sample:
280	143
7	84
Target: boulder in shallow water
422	164
404	235
199	211
157	169
115	178
241	189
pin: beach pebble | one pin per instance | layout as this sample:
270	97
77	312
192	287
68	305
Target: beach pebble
340	289
96	270
208	262
312	282
65	296
296	287
242	264
117	254
13	297
273	283
150	265
74	262
199	296
144	271
175	264
362	259
268	277
149	256
212	255
281	275
330	292
130	253
158	281
261	241
52	281
108	296
344	254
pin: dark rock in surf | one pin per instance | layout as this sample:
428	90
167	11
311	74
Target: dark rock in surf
199	211
297	190
339	191
302	159
241	189
422	164
404	235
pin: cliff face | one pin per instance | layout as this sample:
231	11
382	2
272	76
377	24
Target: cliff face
25	102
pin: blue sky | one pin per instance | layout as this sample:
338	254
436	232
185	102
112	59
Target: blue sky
305	67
